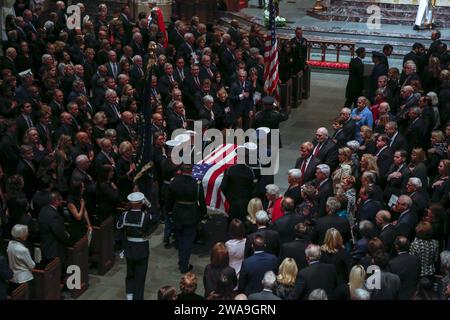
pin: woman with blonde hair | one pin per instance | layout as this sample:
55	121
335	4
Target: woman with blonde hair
125	169
98	131
254	205
344	170
287	274
369	163
368	144
357	279
333	253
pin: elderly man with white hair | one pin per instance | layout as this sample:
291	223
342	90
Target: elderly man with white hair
420	198
317	275
271	237
407	221
349	124
324	186
326	150
19	257
331	220
269	283
295	182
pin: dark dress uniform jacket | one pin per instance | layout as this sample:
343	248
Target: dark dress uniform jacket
136	224
185	189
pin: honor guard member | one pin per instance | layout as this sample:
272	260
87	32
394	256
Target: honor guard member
186	201
136	224
238	184
270	116
300	50
168	171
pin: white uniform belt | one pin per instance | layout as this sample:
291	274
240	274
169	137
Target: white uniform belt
166	181
131	239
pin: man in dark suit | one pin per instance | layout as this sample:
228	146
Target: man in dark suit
104	157
349	127
331	220
355	83
406	223
324	187
416	128
368	206
54	237
384	155
285	225
407	267
420	199
113	68
126	130
207	70
397	175
387	230
296	249
137	74
317	275
389	283
269	282
27	170
397	140
271	237
112	108
176	35
325	149
186	49
8	61
191	86
180	72
65	127
307	162
165	81
24	121
417	54
241	95
177	119
300	50
254	267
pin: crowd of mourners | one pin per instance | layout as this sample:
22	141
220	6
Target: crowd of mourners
375	192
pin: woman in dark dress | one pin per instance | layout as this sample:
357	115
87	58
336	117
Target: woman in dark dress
222	111
286	60
219	265
287	274
125	170
79	223
188	285
368	145
100	122
107	194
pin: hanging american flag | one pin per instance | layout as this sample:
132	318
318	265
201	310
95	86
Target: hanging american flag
210	171
271	54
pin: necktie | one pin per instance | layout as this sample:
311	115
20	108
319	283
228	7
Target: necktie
212	115
303	167
29	122
182	74
317	149
210	72
114	70
197	82
171	79
116	110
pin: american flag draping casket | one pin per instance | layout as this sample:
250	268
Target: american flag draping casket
210	171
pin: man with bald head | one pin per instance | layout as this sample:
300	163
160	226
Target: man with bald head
285	225
407	220
126	129
387	230
65	127
406	266
325	149
307	162
83	146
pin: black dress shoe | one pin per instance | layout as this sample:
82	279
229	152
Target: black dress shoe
416	27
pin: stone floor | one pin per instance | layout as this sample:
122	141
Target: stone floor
327	92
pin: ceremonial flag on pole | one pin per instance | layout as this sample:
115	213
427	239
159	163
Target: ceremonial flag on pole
271	55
